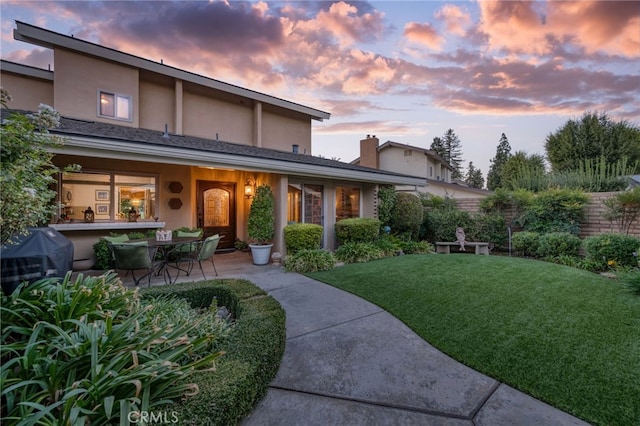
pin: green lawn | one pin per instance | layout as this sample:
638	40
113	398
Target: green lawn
563	335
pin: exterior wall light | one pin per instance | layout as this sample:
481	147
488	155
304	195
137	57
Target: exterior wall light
249	188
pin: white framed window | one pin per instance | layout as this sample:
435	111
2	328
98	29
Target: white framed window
114	105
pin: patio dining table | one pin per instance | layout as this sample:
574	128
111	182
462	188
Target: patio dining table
164	247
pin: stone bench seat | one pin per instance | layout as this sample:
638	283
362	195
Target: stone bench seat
445	247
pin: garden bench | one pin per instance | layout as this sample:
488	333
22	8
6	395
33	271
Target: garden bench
445	247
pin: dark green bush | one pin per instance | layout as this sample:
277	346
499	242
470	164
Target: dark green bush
386	201
406	215
490	228
441	224
612	250
390	245
305	260
302	236
555	210
416	247
554	244
525	243
253	350
357	230
358	252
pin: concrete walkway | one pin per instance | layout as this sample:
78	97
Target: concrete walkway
348	362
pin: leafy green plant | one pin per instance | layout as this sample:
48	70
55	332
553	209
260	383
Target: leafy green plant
302	236
358	252
85	351
307	260
612	250
631	280
416	247
441	224
489	227
623	209
556	244
26	171
386	201
555	210
526	243
406	215
390	245
358	230
261	226
240	245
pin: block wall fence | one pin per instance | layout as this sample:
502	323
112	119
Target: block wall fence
593	223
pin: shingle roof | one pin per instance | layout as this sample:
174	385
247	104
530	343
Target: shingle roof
70	127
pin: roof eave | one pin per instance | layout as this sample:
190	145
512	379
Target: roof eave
124	150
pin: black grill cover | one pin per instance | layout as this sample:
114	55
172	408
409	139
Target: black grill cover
43	252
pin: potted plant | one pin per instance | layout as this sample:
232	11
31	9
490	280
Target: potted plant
261	227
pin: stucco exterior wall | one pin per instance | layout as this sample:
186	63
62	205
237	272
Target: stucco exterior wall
280	132
396	160
27	93
157	106
77	80
205	117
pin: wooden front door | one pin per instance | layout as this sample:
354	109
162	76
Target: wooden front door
217	210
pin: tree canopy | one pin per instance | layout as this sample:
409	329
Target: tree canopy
592	137
474	176
449	148
520	169
503	152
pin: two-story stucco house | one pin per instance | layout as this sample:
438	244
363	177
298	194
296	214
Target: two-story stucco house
180	148
415	161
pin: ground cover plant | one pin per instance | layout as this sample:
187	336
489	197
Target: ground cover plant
566	336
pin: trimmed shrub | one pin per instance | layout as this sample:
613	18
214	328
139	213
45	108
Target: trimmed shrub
305	260
253	350
357	230
526	243
617	249
555	244
302	236
406	215
358	252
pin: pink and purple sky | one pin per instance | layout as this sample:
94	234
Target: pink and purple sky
404	71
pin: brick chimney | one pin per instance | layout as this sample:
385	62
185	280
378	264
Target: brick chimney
369	151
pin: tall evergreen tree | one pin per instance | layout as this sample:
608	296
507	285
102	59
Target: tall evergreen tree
438	146
503	152
449	148
474	176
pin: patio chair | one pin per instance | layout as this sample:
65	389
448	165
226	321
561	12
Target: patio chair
133	257
200	251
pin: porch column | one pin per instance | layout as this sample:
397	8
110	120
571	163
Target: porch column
282	188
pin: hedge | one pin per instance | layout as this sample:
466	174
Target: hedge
302	236
357	230
253	350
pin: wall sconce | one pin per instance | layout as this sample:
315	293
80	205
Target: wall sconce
249	188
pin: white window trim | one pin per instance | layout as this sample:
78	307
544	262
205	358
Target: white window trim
115	98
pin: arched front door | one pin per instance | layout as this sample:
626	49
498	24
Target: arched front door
217	210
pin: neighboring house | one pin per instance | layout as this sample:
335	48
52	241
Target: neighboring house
415	161
180	148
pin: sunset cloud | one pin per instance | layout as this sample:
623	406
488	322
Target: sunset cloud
424	34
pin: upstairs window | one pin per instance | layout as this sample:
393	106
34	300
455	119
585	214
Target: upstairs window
113	105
